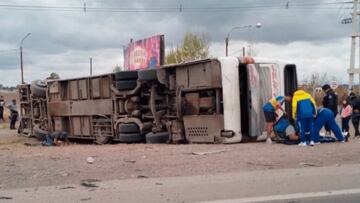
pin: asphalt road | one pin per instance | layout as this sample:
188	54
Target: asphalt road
312	184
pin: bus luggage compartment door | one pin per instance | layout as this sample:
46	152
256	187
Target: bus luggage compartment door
203	128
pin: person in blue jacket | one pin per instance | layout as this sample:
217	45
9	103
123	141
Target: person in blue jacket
304	111
324	117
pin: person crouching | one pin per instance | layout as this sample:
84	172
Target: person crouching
270	109
324	117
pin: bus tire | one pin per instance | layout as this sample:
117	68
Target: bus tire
126	75
100	140
147	75
128	128
157	138
38	88
131	137
126	84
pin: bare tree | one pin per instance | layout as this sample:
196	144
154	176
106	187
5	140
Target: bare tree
316	80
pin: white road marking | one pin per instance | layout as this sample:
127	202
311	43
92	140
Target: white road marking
288	196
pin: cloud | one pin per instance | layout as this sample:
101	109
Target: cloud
330	56
64	41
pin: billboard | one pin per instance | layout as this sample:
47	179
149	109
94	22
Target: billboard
146	53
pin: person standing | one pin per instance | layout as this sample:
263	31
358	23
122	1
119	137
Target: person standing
355	117
14	114
2	104
345	114
304	112
270	109
330	101
326	116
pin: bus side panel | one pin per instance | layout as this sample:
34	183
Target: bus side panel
231	98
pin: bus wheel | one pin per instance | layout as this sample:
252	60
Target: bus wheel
131	137
128	128
126	75
102	139
157	138
126	84
147	74
38	88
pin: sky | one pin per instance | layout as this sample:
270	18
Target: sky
64	37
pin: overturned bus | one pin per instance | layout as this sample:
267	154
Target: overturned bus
206	101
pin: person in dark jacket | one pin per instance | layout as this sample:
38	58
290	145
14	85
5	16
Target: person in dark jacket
14	114
330	101
2	105
326	116
354	101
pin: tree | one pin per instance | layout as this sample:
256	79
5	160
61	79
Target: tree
53	76
117	68
193	47
317	80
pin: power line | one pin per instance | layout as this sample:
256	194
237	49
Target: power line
180	8
8	50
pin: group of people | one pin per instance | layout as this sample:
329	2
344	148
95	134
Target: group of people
309	120
13	111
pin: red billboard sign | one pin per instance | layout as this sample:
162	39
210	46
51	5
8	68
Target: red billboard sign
146	53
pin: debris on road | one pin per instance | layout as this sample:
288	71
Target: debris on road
5	148
310	164
68	187
90	160
259	164
31	144
142	176
2	197
64	174
130	161
55	158
89	182
85	199
209	152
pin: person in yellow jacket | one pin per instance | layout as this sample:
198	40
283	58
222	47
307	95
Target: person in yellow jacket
304	112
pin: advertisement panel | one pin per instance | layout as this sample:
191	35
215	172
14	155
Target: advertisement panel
146	53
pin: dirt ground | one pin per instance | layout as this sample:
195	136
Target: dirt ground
24	163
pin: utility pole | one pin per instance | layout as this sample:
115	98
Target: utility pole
90	66
355	34
21	66
21	58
